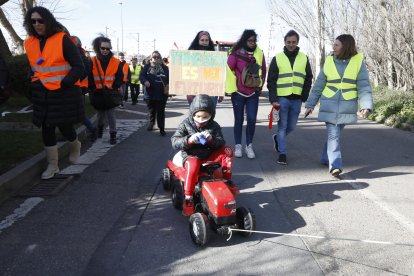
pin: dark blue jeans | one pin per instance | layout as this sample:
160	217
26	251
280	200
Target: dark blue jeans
288	118
240	104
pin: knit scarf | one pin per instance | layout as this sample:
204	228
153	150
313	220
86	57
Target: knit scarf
155	68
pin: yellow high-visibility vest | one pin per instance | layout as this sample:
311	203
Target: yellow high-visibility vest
290	80
135	74
348	84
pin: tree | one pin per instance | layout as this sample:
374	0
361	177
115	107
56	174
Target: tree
387	41
23	5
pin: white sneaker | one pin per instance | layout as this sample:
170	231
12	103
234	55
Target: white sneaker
238	151
249	151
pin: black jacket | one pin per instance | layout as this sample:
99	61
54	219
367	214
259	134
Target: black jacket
273	75
119	76
156	89
188	127
64	105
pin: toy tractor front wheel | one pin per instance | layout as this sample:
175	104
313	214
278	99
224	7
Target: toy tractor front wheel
177	195
199	228
245	220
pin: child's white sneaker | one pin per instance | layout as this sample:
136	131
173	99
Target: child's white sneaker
249	151
238	151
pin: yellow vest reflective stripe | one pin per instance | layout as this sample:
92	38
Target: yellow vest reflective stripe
348	83
135	74
290	81
231	80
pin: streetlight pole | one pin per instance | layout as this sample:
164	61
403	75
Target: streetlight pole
122	30
138	44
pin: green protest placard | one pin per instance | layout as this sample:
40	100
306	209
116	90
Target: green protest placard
197	72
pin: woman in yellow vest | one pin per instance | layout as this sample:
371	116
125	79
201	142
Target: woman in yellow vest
245	98
56	96
343	80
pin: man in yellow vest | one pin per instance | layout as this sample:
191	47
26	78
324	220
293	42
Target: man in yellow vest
135	83
289	82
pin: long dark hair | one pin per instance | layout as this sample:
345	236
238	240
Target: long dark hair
51	24
196	46
96	43
348	46
242	42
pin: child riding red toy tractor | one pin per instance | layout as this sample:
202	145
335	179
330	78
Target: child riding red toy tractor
214	204
200	174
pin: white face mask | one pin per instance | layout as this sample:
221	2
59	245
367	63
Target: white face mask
201	120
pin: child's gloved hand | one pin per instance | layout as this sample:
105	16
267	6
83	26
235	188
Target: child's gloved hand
207	135
194	139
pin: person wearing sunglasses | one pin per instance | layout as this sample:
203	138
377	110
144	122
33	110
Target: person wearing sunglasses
244	98
105	81
155	76
56	68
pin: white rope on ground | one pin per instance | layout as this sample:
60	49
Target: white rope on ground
319	237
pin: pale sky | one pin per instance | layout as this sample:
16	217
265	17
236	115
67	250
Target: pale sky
166	21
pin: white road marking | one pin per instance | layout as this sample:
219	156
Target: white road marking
381	204
20	212
132	111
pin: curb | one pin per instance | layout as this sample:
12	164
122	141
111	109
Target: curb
28	172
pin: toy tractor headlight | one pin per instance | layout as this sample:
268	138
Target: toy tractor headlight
230	205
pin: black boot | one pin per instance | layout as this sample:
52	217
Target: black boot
112	140
93	135
100	131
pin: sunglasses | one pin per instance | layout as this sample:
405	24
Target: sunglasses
156	57
252	40
38	20
105	49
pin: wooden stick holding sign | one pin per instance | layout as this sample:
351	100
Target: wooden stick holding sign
197	72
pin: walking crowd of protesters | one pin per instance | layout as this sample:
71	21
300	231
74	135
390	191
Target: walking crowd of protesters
62	74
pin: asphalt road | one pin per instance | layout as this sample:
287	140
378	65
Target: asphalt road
116	219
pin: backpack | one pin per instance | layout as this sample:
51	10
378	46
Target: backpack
250	75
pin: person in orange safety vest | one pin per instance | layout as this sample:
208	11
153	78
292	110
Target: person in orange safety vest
56	68
105	81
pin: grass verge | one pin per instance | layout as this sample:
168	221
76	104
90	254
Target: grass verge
393	108
18	145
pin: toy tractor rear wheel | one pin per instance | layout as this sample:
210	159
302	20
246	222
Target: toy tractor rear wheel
177	195
245	220
166	179
199	228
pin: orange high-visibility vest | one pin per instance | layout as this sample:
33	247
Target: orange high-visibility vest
125	70
48	66
84	82
108	77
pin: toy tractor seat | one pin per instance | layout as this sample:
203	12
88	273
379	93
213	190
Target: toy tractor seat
210	167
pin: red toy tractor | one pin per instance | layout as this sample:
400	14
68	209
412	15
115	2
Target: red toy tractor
214	204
